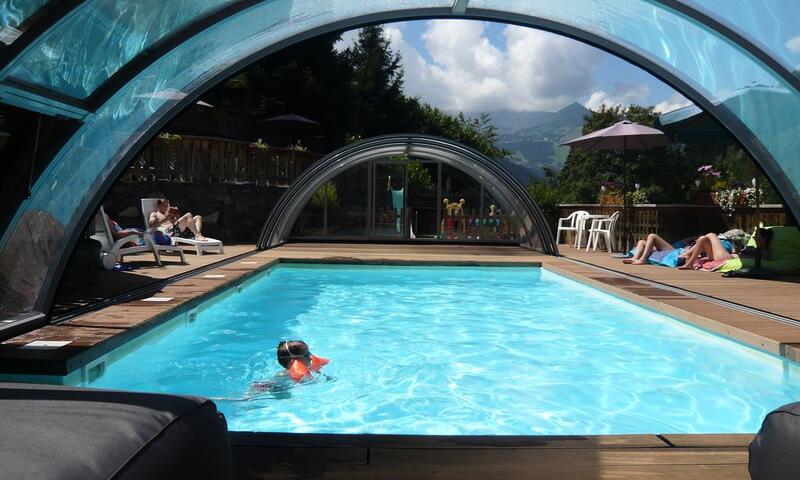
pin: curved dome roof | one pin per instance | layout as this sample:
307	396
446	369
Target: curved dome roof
501	185
105	62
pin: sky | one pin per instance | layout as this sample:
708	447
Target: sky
475	66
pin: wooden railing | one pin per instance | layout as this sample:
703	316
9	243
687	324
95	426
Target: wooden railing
208	160
675	222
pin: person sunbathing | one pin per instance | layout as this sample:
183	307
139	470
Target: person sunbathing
709	252
169	217
645	248
708	248
118	233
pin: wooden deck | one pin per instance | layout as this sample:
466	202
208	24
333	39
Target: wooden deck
144	271
342	456
780	295
663	457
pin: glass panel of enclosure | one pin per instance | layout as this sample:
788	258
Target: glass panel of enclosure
347	205
102	36
311	221
410	200
498	223
14	13
423	200
461	202
772	25
389	200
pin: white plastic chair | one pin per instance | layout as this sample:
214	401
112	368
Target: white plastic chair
573	223
113	252
604	227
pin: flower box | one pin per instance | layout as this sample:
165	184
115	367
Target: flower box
609	199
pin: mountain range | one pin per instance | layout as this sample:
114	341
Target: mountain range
533	138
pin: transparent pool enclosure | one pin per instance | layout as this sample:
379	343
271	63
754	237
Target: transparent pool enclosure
123	68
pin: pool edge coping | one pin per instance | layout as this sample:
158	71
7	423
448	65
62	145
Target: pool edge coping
754	340
90	355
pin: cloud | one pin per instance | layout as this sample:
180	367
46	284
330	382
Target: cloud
535	70
674	102
793	44
623	94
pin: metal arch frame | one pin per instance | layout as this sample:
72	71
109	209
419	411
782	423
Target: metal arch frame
627	52
459	8
481	168
48	102
157	50
59	104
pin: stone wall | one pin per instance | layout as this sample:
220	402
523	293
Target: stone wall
232	213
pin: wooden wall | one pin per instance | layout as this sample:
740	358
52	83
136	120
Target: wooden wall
208	160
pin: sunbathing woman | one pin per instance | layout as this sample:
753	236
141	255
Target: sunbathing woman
714	250
716	253
645	248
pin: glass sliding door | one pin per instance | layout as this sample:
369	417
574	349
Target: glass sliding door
423	200
461	202
389	200
498	223
347	204
407	199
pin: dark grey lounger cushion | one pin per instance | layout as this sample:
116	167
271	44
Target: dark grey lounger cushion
60	433
775	452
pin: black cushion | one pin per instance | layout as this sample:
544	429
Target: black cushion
775	452
49	432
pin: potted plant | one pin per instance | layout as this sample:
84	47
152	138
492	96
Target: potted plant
707	183
169	140
610	194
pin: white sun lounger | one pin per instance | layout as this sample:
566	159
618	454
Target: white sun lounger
115	251
149	205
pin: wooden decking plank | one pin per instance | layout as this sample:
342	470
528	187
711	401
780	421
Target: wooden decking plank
449	442
778	295
706	440
448	467
567	456
301	455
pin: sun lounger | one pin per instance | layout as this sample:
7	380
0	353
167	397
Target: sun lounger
114	251
149	205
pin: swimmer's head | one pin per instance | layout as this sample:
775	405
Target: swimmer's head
293	350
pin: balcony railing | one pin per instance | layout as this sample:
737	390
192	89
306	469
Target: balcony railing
206	160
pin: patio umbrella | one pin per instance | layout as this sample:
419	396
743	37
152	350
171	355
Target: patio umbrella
291	125
291	118
625	136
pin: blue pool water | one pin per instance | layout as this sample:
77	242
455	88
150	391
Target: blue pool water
457	350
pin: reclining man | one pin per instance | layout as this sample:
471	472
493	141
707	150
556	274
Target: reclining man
169	217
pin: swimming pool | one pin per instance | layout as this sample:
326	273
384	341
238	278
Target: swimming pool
456	351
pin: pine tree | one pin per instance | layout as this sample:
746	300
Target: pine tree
377	82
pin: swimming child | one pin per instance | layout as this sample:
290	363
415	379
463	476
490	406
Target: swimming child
299	364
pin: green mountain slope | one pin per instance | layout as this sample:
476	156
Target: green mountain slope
533	138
